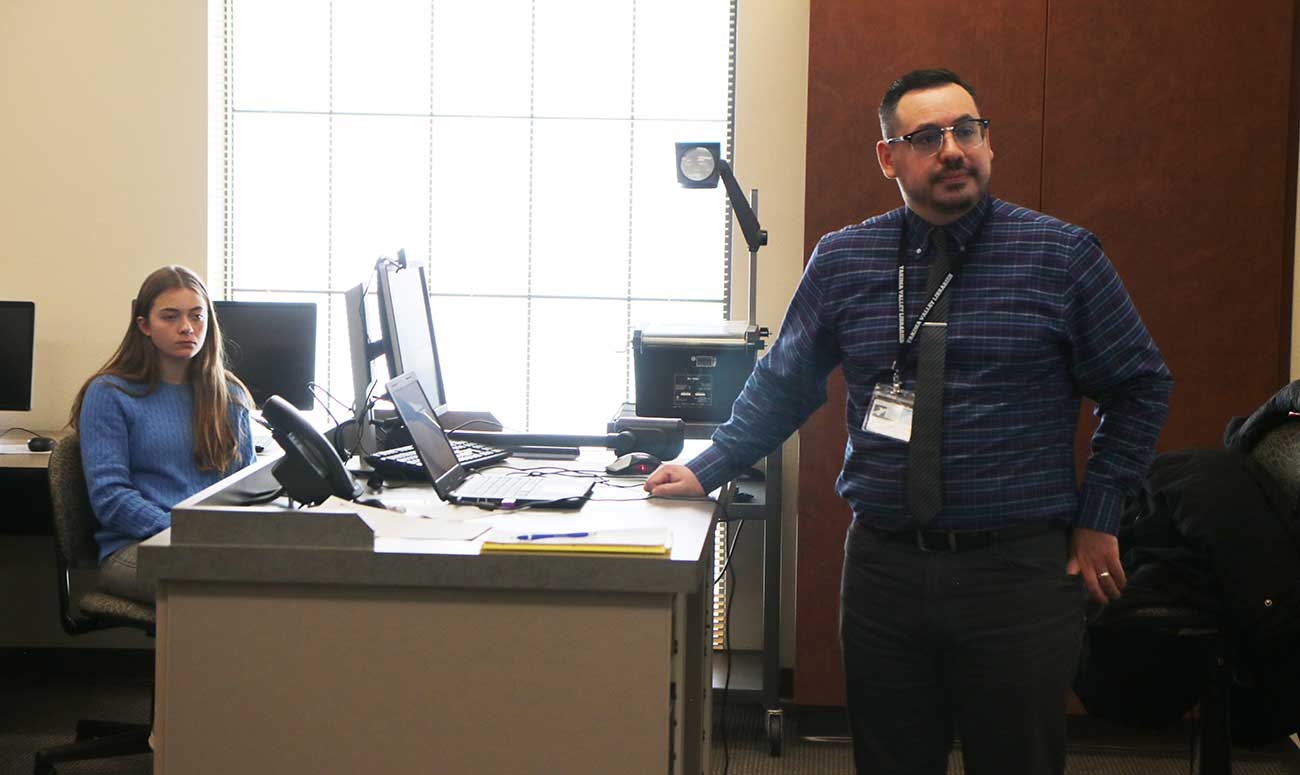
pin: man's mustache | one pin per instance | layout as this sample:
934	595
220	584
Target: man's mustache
949	168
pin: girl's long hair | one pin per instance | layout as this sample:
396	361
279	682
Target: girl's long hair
216	440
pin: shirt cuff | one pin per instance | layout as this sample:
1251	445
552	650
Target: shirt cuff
1100	509
713	468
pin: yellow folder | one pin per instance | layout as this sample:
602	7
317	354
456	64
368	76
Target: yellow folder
647	540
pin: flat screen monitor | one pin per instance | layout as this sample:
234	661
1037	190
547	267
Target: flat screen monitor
407	322
361	349
271	346
17	350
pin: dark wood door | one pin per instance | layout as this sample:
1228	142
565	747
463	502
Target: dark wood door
1168	133
1167	128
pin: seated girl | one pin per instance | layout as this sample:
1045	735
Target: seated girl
162	420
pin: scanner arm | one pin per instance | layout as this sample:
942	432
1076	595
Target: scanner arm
663	444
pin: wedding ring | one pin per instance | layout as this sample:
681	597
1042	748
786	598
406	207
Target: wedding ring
1103	573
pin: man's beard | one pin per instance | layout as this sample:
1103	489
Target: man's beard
964	202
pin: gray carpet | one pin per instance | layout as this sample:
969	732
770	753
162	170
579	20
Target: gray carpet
1096	748
41	702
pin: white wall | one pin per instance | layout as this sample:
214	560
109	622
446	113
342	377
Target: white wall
771	137
102	180
102	149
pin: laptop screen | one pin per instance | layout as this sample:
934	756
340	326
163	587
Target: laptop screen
426	435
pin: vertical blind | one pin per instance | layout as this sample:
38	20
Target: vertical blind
520	150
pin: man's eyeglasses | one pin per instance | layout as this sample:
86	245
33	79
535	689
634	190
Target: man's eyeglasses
969	133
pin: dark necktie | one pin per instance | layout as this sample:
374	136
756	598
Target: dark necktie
924	481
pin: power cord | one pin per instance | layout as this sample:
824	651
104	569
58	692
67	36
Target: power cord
368	401
259	498
499	506
726	644
7	431
318	389
726	562
495	427
314	388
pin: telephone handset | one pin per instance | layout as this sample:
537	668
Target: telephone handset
311	470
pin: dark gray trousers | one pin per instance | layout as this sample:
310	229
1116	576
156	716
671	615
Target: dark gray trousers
980	643
117	576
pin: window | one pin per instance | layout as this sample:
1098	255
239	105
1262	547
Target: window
521	150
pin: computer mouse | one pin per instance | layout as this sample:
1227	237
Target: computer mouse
633	464
40	444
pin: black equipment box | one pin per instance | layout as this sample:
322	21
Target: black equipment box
693	372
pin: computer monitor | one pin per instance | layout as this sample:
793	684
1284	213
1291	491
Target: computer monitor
271	346
407	323
17	351
362	350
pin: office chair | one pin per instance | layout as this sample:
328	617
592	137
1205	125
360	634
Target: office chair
75	547
1278	453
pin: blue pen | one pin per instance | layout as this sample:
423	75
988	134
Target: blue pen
536	536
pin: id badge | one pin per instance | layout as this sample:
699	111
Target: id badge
890	413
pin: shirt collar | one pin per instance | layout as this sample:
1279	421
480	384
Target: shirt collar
960	231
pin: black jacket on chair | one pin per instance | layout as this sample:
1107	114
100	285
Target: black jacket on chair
1243	433
1212	531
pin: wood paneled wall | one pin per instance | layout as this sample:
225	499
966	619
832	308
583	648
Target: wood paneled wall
1166	128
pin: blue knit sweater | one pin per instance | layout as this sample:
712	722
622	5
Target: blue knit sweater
138	454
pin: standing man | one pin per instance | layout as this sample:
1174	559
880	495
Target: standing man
968	329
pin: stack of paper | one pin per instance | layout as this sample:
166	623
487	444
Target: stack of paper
393	524
647	540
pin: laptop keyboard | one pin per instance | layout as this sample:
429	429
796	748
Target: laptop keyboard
498	487
405	461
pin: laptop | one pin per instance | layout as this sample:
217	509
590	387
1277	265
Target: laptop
453	483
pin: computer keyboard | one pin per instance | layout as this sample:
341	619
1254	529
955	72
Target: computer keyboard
498	487
405	461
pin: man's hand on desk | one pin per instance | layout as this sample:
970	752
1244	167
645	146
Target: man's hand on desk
673	479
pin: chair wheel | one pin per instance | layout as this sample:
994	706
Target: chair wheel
775	732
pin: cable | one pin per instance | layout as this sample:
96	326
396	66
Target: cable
498	506
7	431
259	498
726	644
548	470
726	563
313	387
497	427
369	404
316	386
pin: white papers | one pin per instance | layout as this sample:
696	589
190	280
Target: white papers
393	524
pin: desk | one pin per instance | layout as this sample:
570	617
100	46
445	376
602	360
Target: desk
323	658
26	491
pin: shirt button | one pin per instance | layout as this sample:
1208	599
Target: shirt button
918	251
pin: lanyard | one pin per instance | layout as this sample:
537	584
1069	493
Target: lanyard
906	337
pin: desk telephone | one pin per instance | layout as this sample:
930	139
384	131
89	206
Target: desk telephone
311	470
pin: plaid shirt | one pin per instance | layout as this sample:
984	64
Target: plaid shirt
1038	318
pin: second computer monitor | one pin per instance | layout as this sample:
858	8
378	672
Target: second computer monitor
407	323
271	346
17	350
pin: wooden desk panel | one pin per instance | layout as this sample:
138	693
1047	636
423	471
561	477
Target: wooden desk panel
302	679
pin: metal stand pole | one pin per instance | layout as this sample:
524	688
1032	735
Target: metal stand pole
753	266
